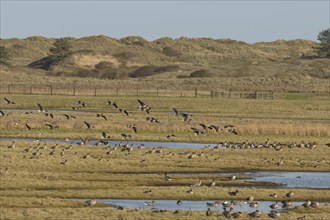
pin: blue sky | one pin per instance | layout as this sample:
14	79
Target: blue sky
249	21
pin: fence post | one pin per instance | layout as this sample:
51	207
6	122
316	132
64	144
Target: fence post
195	92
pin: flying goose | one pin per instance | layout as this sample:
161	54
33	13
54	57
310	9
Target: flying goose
88	125
52	126
28	126
8	101
101	115
41	109
144	107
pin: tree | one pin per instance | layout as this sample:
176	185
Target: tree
324	38
4	56
61	49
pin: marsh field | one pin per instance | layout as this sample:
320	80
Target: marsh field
55	179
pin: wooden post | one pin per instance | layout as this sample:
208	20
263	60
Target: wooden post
95	91
74	89
195	92
30	90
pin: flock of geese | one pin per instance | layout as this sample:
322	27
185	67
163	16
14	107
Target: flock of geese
203	129
186	117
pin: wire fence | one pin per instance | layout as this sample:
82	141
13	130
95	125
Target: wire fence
91	90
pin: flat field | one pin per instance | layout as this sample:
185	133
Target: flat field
42	180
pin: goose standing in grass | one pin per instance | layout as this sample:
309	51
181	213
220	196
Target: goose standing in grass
314	204
197	184
289	194
234	193
232	177
208	212
212	184
90	202
274	214
307	203
167	178
28	126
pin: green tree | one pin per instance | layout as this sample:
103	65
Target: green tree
4	56
324	38
61	49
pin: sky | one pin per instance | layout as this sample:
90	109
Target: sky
249	21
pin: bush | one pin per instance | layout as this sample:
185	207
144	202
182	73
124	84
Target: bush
152	70
201	74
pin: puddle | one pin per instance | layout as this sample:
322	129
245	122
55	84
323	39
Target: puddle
193	205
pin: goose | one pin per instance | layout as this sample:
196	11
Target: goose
197	184
28	126
185	116
147	191
208	212
52	126
125	136
286	203
213	204
213	183
203	126
234	193
237	214
232	177
101	115
8	101
253	204
289	194
88	125
68	116
12	146
274	206
307	203
90	202
190	191
170	136
179	202
302	217
167	178
2	114
176	112
250	199
126	113
314	204
41	109
255	214
226	213
227	204
133	127
144	107
274	195
152	203
274	214
85	156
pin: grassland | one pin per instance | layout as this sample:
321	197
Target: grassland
38	184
